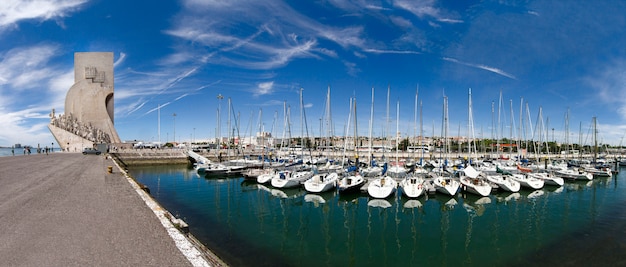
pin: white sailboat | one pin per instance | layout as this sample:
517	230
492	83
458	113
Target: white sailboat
446	185
372	170
397	170
548	178
504	182
290	179
266	177
321	182
574	174
443	181
382	187
528	181
472	183
412	186
353	181
470	180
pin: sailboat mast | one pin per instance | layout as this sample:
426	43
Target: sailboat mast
530	125
421	132
520	134
566	131
444	127
347	130
328	118
595	141
470	130
415	117
159	122
371	125
356	132
397	129
580	138
512	123
301	123
282	140
387	119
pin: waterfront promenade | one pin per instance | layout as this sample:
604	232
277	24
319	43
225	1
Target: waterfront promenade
65	209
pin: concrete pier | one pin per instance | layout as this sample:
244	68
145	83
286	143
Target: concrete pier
65	209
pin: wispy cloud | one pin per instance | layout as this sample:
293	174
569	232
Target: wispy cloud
479	66
25	67
13	11
378	51
264	88
352	68
120	60
401	22
262	42
425	9
453	21
534	13
609	83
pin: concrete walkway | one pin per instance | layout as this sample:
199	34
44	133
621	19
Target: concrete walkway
64	209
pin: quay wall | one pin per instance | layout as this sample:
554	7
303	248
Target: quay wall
178	156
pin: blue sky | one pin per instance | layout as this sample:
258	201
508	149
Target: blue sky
557	55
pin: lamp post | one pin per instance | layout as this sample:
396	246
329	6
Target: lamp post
219	133
174	115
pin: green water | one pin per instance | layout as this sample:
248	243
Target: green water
253	225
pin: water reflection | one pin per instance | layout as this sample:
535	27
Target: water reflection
320	198
278	227
379	203
534	194
506	197
283	193
412	204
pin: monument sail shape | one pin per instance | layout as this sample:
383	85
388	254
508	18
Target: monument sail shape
89	106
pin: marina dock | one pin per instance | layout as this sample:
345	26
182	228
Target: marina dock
66	209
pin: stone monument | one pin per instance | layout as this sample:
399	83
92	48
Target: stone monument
88	117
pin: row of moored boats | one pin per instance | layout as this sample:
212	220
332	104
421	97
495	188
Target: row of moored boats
414	180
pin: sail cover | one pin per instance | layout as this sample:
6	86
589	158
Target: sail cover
471	172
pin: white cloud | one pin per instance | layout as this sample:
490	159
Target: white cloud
30	88
419	8
535	13
264	88
261	42
26	127
401	22
58	86
13	11
448	20
426	8
377	51
24	68
352	68
120	60
480	66
610	84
